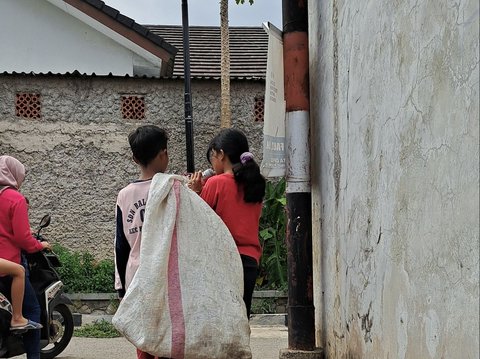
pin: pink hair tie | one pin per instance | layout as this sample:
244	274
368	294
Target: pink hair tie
245	157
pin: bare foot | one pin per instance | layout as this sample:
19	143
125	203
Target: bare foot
20	322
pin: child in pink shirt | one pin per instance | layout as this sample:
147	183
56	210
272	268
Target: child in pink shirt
149	148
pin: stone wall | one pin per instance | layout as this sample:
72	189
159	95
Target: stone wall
77	154
395	118
268	301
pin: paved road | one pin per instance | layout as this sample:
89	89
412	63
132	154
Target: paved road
265	343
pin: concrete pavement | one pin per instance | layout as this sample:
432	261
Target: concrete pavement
266	341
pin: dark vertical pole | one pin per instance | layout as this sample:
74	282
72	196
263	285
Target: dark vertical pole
301	318
188	91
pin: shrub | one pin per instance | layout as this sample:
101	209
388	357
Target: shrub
81	273
273	264
264	306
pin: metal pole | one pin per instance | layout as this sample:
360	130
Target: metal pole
188	91
301	318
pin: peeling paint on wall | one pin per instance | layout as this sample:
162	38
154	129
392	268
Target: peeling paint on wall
395	111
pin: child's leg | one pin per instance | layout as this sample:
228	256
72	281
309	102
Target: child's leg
17	272
31	310
250	272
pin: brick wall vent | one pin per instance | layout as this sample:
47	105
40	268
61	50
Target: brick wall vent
27	105
259	109
133	107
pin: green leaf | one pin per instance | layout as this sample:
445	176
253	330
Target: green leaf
243	1
282	201
266	234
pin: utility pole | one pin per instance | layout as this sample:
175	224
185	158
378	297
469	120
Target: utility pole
301	316
188	90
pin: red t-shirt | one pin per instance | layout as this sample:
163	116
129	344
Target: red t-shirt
15	233
222	193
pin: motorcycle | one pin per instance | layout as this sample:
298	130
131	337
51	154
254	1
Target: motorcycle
56	317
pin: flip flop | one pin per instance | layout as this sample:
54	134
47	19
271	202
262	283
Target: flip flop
29	326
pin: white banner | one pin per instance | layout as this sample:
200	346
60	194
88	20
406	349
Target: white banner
273	164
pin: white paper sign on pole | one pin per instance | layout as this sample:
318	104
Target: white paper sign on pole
273	163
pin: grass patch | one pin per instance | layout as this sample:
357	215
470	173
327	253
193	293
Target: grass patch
263	306
98	329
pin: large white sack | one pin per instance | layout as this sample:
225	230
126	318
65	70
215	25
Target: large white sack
185	300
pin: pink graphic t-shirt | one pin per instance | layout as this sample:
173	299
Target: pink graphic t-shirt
131	203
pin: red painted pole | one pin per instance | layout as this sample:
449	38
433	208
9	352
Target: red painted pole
301	318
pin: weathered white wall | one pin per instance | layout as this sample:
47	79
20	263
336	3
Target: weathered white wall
77	154
395	127
33	31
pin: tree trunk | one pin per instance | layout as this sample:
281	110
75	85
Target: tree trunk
225	114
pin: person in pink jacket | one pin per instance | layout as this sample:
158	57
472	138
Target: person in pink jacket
15	236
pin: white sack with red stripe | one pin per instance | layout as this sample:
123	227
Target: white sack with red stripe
185	301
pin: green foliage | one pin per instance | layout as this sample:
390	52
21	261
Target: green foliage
99	329
273	264
263	306
243	1
81	273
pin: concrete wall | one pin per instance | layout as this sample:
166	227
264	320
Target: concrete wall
77	154
395	127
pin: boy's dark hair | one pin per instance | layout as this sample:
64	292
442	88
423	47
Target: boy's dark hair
233	143
146	142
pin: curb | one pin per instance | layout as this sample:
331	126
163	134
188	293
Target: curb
267	320
92	318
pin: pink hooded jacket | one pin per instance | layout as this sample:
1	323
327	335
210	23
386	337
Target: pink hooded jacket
15	233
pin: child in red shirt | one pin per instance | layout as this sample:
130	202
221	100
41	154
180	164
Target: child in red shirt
236	194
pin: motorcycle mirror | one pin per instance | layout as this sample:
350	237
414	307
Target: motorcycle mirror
45	221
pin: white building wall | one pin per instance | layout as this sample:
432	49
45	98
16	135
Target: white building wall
39	37
395	128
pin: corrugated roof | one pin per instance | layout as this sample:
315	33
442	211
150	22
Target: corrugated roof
248	50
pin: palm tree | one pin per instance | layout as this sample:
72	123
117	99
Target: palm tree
225	113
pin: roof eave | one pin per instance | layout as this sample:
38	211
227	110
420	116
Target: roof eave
122	30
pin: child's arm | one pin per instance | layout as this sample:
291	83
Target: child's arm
195	183
122	253
210	193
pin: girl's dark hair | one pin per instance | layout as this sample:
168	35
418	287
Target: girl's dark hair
146	142
233	143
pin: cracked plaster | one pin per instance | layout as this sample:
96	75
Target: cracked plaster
395	112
